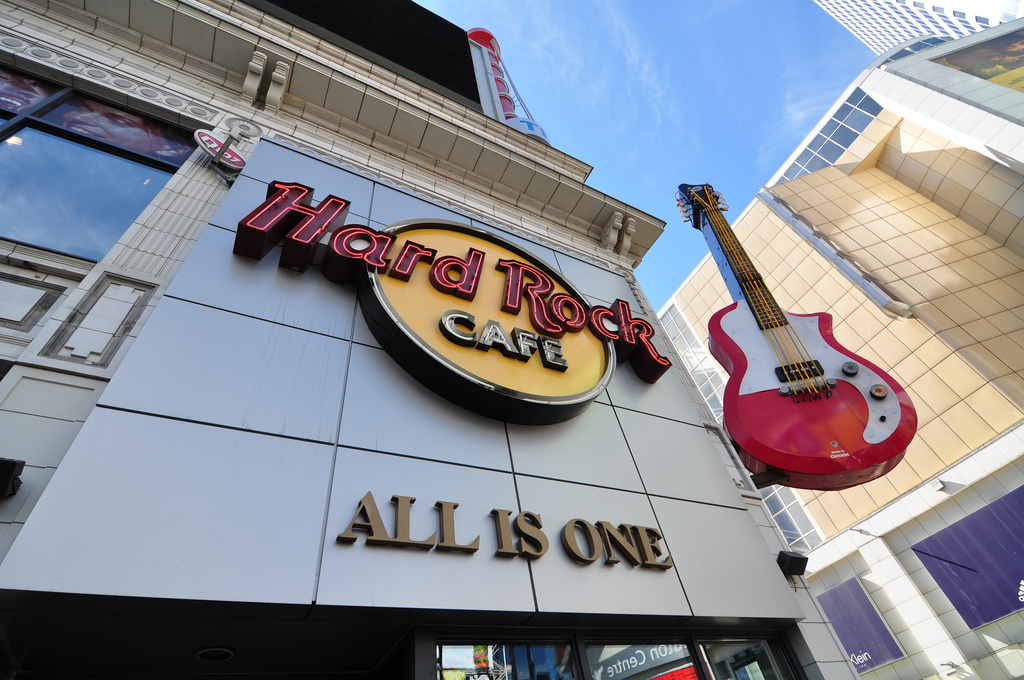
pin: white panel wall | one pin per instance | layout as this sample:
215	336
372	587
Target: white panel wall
255	411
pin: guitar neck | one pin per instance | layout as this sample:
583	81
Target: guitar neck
710	220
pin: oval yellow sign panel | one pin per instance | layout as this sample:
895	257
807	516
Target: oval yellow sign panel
485	324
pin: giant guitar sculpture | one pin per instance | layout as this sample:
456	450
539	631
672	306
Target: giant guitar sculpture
801	408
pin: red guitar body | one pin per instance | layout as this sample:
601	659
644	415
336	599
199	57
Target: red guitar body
820	442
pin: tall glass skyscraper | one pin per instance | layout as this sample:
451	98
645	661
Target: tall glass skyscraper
882	24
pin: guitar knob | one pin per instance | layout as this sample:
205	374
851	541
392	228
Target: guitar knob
879	391
850	368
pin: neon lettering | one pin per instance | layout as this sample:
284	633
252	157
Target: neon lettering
576	320
523	280
411	255
286	214
467	272
352	246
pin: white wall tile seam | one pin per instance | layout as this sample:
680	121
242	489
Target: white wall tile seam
233	428
330	478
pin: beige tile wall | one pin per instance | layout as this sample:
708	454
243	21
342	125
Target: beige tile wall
981	192
961	357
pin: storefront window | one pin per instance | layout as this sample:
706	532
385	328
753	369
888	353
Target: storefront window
526	661
670	661
68	197
20	93
746	660
75	172
130	132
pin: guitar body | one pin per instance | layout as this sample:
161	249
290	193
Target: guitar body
821	442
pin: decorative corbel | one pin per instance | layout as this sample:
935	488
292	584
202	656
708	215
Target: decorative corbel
253	78
626	236
278	80
610	232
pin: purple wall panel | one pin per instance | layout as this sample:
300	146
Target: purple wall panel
978	562
860	628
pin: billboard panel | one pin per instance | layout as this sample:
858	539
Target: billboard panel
861	629
978	562
999	59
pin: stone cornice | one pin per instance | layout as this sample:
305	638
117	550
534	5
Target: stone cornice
344	94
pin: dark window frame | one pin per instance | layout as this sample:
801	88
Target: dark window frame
32	118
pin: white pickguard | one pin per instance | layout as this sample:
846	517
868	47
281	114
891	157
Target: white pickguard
741	326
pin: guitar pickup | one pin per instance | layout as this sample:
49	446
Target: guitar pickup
796	372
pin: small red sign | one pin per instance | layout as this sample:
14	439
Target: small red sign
212	146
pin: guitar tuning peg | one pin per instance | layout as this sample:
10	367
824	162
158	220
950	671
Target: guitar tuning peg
723	206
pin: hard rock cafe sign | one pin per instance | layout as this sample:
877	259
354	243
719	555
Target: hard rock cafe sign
470	315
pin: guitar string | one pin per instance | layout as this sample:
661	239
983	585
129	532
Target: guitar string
782	330
780	333
769	312
755	302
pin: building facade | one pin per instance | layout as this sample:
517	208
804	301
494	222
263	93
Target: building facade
883	24
902	215
309	367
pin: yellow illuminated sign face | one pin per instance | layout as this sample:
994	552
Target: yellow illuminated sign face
421	306
468	314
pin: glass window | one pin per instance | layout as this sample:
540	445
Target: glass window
20	93
816	163
506	661
843	112
959	15
670	661
858	120
844	136
830	152
746	660
125	130
871	106
816	143
68	197
76	172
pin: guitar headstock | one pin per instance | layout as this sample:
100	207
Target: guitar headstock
692	198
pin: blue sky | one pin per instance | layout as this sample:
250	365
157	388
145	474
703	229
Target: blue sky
653	93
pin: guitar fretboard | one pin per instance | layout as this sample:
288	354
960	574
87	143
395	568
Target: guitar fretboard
761	301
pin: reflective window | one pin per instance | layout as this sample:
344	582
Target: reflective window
76	172
126	130
19	93
700	364
746	660
836	135
67	197
670	661
507	661
791	518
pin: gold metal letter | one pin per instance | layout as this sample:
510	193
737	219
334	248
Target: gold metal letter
504	530
371	523
648	540
448	541
532	541
621	538
572	546
402	521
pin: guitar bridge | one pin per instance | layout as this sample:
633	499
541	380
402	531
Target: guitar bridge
801	371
